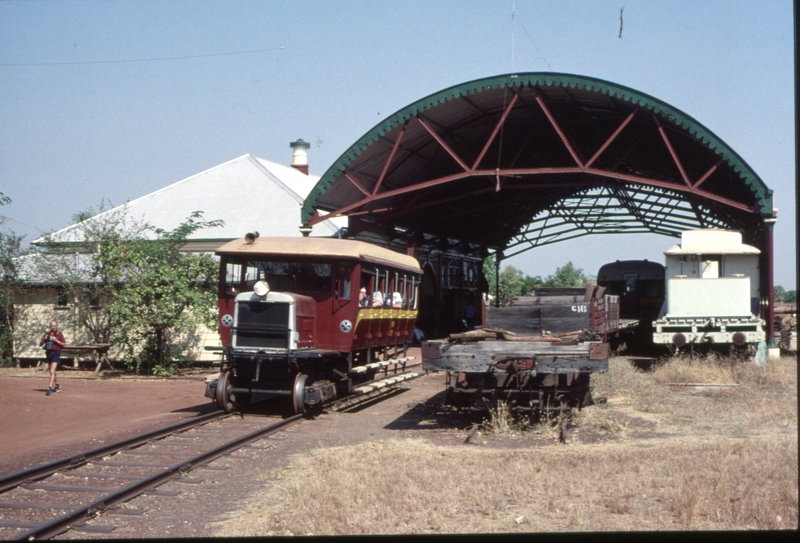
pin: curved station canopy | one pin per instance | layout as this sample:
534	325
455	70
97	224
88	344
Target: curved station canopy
512	162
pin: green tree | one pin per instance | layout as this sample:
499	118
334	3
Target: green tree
512	283
72	267
779	293
10	285
567	276
531	284
160	290
791	296
490	271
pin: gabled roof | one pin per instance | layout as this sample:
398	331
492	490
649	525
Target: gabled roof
248	193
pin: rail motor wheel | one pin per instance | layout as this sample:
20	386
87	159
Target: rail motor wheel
225	397
298	392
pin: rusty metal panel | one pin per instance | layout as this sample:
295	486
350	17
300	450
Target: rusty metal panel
599	351
430	349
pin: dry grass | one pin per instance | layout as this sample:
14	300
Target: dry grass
664	458
763	400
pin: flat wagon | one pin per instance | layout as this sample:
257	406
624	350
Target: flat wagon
536	353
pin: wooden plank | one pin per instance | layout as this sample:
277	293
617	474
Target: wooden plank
545	300
364	389
483	362
542	311
381	364
514	348
562	291
550	357
532	320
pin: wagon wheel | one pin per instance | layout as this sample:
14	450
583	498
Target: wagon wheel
297	393
225	397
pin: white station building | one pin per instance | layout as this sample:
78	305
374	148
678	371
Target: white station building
247	193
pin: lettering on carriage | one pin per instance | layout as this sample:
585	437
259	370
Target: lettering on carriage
580	309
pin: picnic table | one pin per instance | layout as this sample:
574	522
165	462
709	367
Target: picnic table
98	350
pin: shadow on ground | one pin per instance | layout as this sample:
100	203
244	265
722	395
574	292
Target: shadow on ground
199	409
431	414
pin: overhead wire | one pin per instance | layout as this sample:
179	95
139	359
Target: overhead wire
153	59
536	46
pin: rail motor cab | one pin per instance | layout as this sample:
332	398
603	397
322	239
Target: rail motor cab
296	315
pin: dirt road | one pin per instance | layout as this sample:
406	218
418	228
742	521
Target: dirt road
36	428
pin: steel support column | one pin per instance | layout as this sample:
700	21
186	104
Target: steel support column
768	261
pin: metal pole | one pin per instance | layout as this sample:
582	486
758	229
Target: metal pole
497	279
769	271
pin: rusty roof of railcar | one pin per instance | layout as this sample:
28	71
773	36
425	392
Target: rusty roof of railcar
333	248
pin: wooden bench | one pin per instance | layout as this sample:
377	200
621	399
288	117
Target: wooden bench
98	350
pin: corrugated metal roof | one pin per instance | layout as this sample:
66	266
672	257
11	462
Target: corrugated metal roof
248	193
45	269
521	160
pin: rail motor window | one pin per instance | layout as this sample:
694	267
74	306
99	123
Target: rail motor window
279	276
388	288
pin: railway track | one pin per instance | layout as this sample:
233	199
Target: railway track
53	498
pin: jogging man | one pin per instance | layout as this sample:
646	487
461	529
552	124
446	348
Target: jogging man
54	341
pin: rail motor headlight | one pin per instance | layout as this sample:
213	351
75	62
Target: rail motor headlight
261	288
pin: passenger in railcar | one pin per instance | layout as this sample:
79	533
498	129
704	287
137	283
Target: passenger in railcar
363	299
377	299
397	300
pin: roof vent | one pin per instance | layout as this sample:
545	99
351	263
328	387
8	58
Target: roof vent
300	155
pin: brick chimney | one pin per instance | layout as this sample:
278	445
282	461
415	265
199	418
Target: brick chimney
300	155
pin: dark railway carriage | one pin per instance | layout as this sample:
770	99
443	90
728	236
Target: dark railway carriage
639	284
297	315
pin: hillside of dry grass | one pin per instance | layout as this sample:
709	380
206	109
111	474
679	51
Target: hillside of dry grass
703	444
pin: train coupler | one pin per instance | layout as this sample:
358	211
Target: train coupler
319	393
211	387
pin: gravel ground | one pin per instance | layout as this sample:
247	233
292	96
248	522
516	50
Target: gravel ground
91	411
192	512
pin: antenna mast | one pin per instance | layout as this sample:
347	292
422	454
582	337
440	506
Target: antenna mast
512	36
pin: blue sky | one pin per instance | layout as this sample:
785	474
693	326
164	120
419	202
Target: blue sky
115	99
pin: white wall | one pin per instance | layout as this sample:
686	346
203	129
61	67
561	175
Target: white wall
37	308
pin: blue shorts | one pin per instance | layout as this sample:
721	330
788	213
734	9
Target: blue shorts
54	356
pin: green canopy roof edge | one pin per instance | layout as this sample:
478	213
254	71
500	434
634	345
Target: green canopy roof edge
762	193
